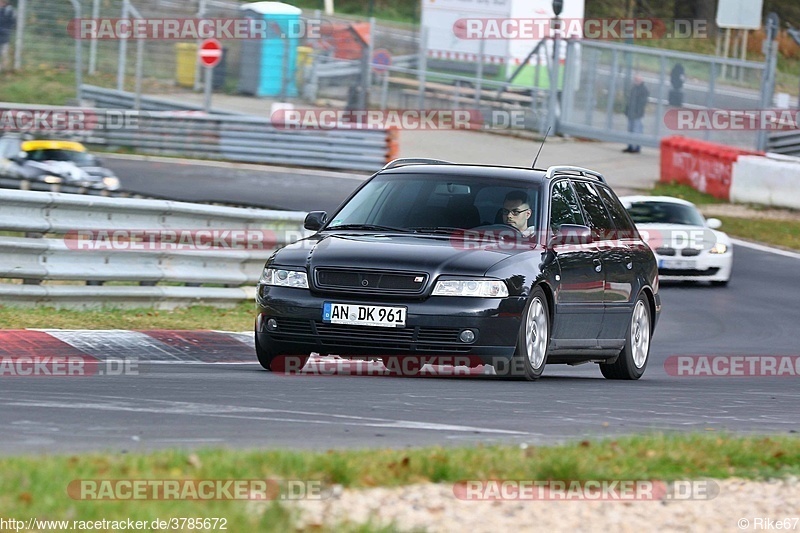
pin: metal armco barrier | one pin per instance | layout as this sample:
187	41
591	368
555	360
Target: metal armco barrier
51	250
704	166
784	142
112	99
246	139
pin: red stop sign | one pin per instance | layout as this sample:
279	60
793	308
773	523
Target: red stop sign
210	53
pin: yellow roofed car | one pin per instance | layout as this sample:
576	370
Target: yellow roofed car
54	162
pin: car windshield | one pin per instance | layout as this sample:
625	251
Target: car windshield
665	213
79	158
431	202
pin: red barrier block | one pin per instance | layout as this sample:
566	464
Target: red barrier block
704	166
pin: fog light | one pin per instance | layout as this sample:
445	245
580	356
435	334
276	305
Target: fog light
272	325
467	336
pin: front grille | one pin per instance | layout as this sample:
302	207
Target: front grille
687	272
371	281
690	252
424	339
297	326
665	251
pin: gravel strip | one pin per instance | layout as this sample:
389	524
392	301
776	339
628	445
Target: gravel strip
433	508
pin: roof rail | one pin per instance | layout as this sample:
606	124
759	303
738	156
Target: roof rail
566	169
404	161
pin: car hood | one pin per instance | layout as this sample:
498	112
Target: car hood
64	169
98	172
434	254
676	235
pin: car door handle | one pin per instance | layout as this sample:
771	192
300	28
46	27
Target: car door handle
598	266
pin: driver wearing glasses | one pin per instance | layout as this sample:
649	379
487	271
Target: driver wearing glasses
516	211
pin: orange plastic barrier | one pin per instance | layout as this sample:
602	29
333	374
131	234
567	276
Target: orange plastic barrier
703	165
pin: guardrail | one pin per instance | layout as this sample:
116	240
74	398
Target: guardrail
785	142
164	253
252	140
242	138
113	99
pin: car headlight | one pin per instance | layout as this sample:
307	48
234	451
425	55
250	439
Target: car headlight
482	288
53	179
284	278
718	248
111	182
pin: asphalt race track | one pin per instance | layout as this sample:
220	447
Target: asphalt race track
172	403
232	183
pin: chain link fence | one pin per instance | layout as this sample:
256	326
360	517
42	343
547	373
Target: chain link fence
358	63
594	104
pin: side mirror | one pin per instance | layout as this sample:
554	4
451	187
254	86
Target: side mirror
713	223
573	234
20	158
315	220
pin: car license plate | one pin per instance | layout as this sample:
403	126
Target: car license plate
677	264
364	315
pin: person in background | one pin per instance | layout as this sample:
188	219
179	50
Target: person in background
8	21
634	110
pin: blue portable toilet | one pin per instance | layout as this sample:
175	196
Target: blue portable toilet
268	66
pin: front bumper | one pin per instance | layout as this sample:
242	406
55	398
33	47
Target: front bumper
432	327
704	267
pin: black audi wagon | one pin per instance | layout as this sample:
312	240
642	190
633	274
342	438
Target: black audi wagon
435	262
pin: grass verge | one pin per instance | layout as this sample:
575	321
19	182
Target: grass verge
37	486
239	318
782	233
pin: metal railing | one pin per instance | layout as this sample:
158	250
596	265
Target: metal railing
80	251
784	142
113	99
240	138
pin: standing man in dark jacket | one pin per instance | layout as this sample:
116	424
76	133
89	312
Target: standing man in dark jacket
8	21
637	100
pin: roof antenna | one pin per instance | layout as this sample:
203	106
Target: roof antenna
540	147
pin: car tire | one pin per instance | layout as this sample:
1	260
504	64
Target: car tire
276	362
533	341
632	360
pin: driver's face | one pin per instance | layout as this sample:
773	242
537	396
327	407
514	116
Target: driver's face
516	214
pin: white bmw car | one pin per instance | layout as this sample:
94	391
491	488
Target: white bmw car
688	246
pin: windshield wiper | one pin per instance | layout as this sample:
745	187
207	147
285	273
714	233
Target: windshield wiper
442	230
371	227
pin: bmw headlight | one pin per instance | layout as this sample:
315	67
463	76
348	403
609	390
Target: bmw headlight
53	179
718	248
279	277
111	182
481	288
